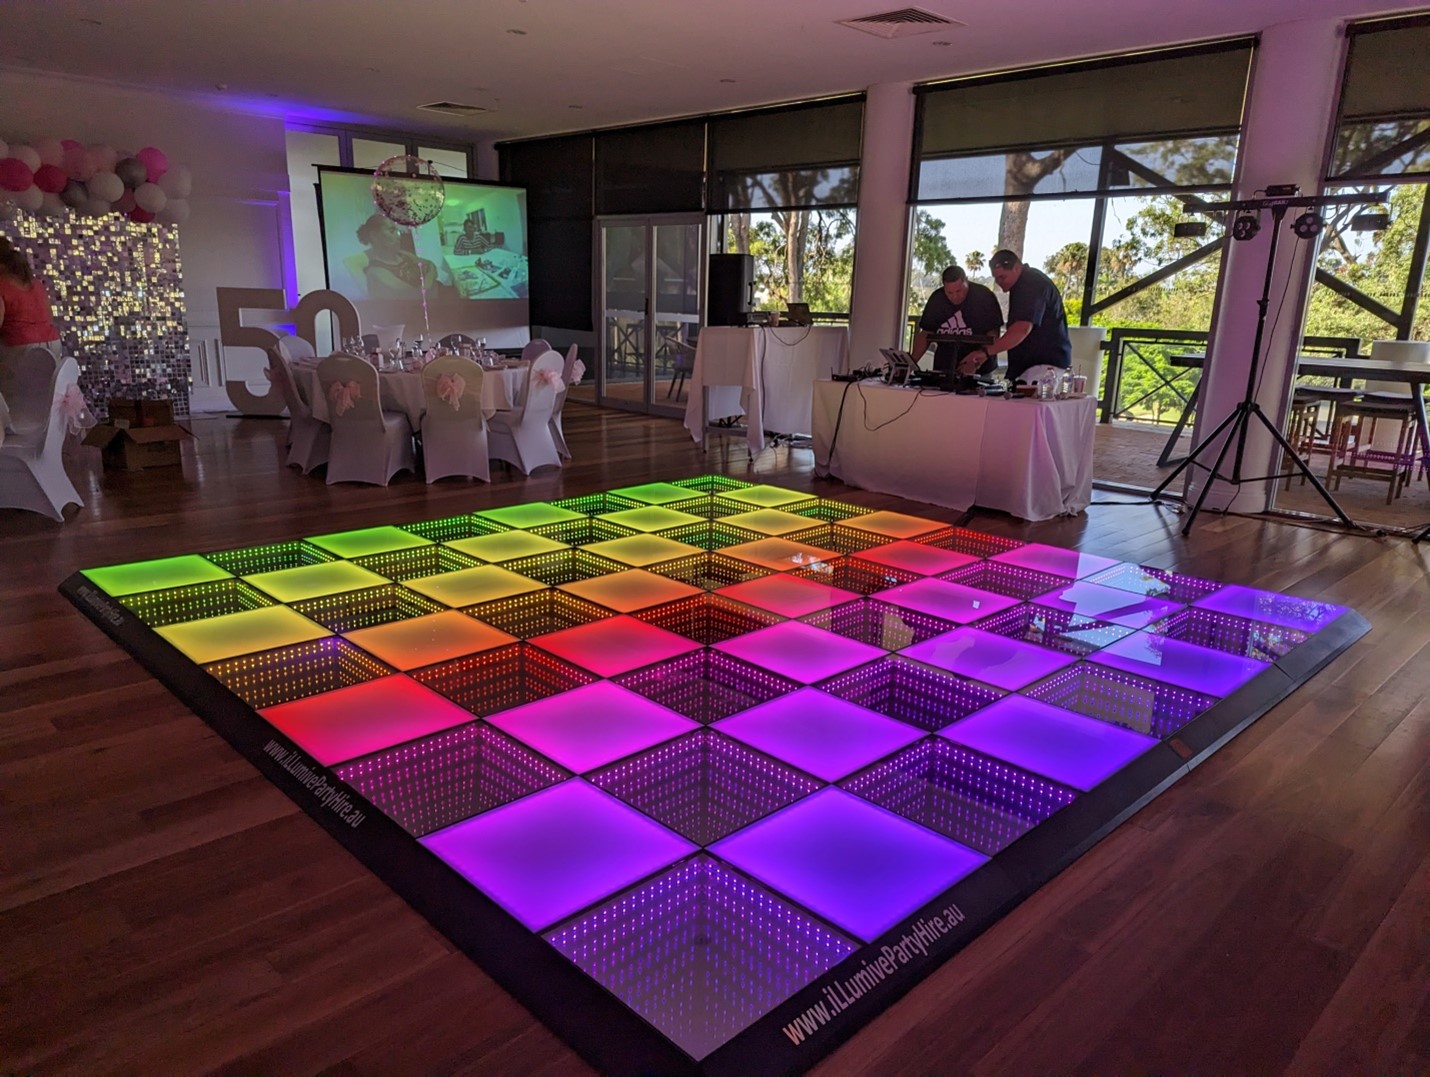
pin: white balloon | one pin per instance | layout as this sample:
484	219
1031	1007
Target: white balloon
105	157
149	196
26	154
31	198
175	211
105	185
178	182
96	207
52	206
50	151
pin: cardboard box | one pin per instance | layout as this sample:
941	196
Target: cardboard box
134	448
127	413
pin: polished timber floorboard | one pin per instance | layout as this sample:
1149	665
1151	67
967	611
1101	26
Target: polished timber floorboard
164	908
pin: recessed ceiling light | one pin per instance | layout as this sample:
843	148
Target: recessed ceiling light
941	44
518	33
220	86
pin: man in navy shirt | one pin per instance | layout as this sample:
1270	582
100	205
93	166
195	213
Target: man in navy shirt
1037	324
960	308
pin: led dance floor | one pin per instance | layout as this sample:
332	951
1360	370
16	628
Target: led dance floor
709	773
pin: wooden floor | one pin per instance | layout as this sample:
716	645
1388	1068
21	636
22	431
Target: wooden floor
164	909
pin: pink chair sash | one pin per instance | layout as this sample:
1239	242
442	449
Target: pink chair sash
450	388
344	395
75	410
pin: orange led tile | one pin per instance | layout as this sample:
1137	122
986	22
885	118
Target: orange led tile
425	641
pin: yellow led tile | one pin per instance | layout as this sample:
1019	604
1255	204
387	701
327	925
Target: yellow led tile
765	497
486	583
657	493
425	641
234	634
642	550
779	554
651	518
893	524
771	522
506	545
314	581
634	589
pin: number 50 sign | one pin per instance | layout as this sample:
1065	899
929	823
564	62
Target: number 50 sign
232	302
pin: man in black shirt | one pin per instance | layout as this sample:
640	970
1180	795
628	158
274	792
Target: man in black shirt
959	308
1037	324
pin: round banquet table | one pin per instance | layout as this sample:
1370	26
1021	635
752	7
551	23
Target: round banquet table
401	390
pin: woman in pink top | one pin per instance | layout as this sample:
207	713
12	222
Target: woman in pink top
24	307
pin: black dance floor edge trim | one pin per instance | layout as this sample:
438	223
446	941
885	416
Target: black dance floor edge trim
815	1020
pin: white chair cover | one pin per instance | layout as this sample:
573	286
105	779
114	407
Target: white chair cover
522	436
309	439
369	444
32	469
454	434
533	348
557	434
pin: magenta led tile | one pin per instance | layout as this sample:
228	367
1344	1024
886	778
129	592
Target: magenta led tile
1183	664
615	645
787	595
1155	582
1007	580
879	624
800	651
364	718
860	867
1304	613
1054	559
1066	747
551	854
949	601
916	557
822	734
591	726
1099	603
987	657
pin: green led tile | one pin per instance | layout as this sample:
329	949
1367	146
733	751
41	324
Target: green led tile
765	497
642	550
654	493
473	585
770	522
531	515
506	546
153	575
310	581
368	540
241	633
653	518
712	484
454	527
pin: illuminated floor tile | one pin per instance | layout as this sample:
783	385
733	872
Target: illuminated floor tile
855	574
713	535
985	656
549	855
1305	614
1058	629
782	555
241	633
195	602
167	572
634	589
615	645
582	532
538	612
1234	635
916	557
895	525
470	586
799	651
368	540
770	522
506	546
879	624
1066	747
448	528
591	726
1124	699
425	641
1155	582
707	685
654	493
1007	580
1099	603
565	565
861	867
269	678
821	734
964	540
642	550
270	558
911	692
764	497
534	514
504	677
707	618
430	559
364	718
709	571
1179	663
1056	560
948	601
650	519
311	581
370	606
788	596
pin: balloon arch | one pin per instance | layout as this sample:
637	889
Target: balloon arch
52	177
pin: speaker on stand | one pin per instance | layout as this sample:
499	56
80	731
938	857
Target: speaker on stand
730	287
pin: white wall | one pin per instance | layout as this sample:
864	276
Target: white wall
233	237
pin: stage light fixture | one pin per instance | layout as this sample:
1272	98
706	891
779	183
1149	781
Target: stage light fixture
1245	226
1189	229
1371	219
1308	225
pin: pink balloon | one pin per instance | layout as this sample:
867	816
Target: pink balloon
71	144
51	179
125	202
141	216
15	174
154	161
77	163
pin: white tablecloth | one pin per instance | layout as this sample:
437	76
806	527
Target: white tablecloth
402	391
767	375
1030	458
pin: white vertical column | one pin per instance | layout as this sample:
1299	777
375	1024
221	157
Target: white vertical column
881	243
1290	112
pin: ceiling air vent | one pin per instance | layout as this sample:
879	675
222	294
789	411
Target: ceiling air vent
906	22
453	108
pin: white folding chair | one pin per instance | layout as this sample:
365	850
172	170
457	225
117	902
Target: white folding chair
454	433
522	436
557	434
309	438
32	467
369	444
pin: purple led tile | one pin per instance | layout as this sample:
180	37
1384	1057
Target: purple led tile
704	785
878	623
591	726
615	645
974	799
1010	580
789	596
1155	582
1182	664
1066	747
911	692
800	651
1109	604
1306	614
707	685
988	657
920	558
1234	635
1124	699
950	601
551	854
827	736
858	866
1057	629
1055	560
427	784
700	952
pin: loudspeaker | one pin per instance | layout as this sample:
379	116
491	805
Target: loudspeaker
729	289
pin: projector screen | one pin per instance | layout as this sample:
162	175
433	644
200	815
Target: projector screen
472	259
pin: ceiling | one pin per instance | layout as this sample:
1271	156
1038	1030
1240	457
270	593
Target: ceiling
544	66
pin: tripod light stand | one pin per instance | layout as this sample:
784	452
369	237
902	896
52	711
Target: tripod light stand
1237	423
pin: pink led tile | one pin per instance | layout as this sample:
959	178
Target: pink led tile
1183	664
916	557
424	641
1055	559
992	659
819	733
950	601
551	854
1099	603
592	726
779	554
615	645
364	718
895	525
789	596
634	589
800	651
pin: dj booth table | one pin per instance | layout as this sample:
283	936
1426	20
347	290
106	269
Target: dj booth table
1029	458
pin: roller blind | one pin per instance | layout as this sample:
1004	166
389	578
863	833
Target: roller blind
801	156
558	176
1384	126
655	169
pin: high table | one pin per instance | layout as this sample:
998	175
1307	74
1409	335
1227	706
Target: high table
767	375
1030	458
